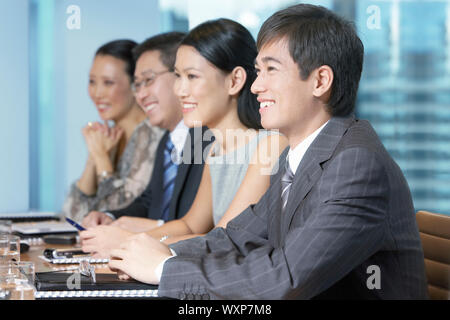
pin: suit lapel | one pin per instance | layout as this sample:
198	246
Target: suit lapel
157	180
310	169
189	156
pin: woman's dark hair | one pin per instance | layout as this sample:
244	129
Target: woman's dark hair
227	45
317	37
120	49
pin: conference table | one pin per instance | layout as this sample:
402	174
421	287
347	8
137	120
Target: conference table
105	290
36	251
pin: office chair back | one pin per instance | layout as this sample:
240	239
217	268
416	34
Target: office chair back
435	235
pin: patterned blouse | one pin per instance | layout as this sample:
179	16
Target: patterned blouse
132	175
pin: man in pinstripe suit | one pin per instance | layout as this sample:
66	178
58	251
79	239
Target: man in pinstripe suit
337	220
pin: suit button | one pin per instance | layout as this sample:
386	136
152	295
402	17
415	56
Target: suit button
182	296
205	296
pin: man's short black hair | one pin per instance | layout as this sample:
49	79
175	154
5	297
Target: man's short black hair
166	43
316	37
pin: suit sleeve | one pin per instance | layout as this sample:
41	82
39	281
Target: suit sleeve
138	208
346	227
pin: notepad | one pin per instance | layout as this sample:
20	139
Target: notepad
124	294
75	260
54	285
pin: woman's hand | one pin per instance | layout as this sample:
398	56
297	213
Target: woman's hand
134	224
96	218
102	239
101	139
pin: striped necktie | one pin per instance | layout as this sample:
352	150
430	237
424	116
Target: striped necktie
286	183
170	173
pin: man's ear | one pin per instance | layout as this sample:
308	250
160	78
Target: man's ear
237	79
323	80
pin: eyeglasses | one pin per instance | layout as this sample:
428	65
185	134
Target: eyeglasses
149	79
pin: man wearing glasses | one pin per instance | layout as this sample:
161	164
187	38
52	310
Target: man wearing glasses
176	174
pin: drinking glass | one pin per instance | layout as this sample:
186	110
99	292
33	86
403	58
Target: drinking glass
5	226
9	248
17	281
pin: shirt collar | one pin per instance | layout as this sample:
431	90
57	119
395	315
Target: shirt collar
295	155
178	136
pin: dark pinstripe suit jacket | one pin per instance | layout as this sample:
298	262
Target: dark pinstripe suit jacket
349	208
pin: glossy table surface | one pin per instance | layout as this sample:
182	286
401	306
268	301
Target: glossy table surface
41	265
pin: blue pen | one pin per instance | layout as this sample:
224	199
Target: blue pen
76	225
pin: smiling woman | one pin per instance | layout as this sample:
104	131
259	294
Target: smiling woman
109	88
119	163
214	72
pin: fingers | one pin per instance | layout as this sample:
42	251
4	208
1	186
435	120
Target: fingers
122	222
118	224
87	234
105	220
88	249
87	222
89	129
92	129
87	126
98	231
94	219
94	126
89	244
123	276
106	126
117	253
91	125
116	260
100	255
105	129
95	247
87	132
116	265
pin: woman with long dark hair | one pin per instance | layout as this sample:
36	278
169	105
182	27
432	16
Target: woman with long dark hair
120	158
215	70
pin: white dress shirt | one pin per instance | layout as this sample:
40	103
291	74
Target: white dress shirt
295	155
178	137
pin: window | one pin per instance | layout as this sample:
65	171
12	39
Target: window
404	90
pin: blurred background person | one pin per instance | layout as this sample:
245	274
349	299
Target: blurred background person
173	186
121	158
